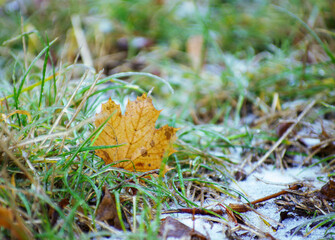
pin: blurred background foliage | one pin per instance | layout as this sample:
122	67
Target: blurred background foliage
233	25
249	49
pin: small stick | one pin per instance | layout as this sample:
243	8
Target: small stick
279	141
235	207
194	211
245	207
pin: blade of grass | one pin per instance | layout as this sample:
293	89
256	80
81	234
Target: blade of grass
238	109
52	100
29	88
114	78
188	202
180	176
90	148
43	74
16	102
81	166
24	46
35	140
18	37
129	86
118	209
52	77
128	74
30	66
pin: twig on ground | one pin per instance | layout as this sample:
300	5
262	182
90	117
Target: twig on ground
235	207
279	141
246	207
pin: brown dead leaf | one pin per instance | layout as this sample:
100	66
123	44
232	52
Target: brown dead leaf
282	127
328	190
144	146
173	228
107	210
53	214
16	226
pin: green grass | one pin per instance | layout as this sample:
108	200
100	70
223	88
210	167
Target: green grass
49	99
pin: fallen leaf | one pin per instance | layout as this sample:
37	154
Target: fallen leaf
173	228
328	190
282	127
53	214
144	145
107	210
240	175
16	226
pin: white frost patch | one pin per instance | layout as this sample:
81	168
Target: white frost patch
266	182
98	109
208	228
310	141
214	231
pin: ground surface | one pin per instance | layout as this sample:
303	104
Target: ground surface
258	185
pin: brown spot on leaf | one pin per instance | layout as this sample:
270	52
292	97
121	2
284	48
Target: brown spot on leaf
152	143
144	152
168	134
139	164
105	154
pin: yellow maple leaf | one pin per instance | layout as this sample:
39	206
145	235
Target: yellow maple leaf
144	145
